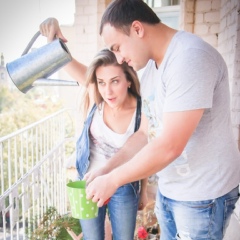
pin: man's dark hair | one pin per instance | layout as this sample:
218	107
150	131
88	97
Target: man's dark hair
121	13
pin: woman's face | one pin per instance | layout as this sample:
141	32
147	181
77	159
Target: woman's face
112	85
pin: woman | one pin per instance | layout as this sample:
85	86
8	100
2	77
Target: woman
112	105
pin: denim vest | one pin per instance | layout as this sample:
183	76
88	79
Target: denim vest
82	146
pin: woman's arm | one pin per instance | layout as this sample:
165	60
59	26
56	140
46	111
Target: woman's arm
77	71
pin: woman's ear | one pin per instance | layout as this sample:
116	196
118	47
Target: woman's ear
138	28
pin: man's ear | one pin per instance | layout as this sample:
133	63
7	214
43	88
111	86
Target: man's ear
138	28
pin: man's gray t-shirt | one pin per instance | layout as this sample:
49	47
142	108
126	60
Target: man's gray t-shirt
193	75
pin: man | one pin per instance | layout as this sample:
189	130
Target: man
186	119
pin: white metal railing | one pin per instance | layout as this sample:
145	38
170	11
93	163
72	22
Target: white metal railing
33	172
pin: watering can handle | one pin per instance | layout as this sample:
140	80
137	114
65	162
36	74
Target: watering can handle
36	35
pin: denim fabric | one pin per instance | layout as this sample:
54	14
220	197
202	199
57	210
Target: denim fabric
195	220
122	210
83	147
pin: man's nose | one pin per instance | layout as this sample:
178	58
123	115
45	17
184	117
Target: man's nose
120	59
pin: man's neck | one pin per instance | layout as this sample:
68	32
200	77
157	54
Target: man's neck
161	36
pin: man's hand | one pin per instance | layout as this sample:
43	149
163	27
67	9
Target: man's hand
100	189
50	29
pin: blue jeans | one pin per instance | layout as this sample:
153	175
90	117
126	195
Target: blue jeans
122	210
195	220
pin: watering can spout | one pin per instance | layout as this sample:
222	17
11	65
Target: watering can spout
32	69
54	82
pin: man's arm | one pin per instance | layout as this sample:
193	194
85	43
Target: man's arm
134	144
156	155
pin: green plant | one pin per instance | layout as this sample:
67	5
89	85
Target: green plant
17	110
52	225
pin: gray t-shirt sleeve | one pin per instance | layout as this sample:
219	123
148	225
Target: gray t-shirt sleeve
190	89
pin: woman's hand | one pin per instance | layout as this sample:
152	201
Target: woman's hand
50	29
90	176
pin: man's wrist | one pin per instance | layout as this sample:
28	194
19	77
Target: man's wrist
115	178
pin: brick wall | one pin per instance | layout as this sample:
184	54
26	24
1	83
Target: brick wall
201	17
87	20
228	46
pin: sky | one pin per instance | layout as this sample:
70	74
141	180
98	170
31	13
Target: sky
20	20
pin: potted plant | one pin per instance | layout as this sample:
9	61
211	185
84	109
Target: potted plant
147	226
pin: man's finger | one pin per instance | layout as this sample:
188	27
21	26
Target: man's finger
89	195
100	203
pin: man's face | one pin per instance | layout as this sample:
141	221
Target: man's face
129	49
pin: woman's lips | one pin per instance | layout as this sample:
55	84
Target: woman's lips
111	99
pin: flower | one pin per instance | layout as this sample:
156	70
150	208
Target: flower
142	233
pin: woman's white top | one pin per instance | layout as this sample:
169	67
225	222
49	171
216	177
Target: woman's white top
104	142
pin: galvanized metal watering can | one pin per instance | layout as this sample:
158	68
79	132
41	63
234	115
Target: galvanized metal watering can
32	69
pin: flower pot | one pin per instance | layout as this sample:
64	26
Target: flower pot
81	207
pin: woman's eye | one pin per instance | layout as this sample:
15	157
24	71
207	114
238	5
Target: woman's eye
101	83
115	81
